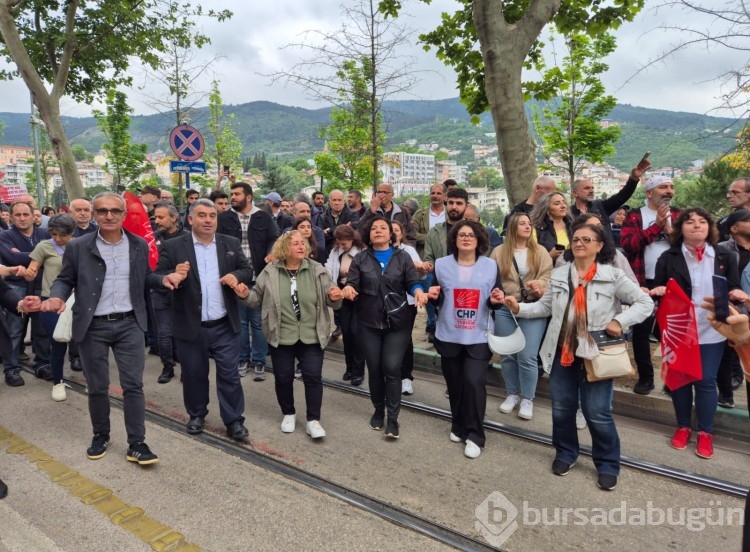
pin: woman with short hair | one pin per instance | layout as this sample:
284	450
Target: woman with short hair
294	294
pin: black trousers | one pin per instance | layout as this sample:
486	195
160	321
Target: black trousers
310	359
223	345
407	365
354	354
642	344
384	351
730	364
466	378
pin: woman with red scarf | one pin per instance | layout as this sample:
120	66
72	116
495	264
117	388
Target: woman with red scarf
692	261
582	297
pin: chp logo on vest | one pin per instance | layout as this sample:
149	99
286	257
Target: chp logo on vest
465	308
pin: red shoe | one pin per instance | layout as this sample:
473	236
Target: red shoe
680	438
705	447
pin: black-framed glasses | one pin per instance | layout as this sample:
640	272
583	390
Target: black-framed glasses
584	240
104	212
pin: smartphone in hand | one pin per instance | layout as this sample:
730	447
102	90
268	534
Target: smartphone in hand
721	298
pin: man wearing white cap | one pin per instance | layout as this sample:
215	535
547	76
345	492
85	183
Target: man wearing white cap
283	221
644	237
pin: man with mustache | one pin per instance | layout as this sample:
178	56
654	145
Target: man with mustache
644	237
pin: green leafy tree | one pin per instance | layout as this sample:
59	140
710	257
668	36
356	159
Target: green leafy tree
80	153
354	138
486	177
126	161
82	48
490	42
570	126
710	189
282	179
224	147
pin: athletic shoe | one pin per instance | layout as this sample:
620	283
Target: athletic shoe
140	453
726	401
526	410
643	386
58	392
242	369
561	468
607	482
705	446
472	450
391	429
98	447
681	438
454	438
378	420
509	404
315	430
259	372
406	387
289	423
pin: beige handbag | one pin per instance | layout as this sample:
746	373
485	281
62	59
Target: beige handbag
613	360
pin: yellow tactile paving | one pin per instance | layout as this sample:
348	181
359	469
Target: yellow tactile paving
131	518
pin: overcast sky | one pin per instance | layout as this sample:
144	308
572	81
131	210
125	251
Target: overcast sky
251	45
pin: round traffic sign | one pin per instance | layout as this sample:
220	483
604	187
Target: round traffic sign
186	142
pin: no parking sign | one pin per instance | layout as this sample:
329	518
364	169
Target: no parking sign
186	142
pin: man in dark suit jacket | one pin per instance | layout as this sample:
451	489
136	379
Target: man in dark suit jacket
257	233
338	213
108	315
206	319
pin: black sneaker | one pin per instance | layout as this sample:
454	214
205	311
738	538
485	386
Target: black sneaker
43	372
139	452
357	381
347	376
561	468
166	375
391	430
643	387
13	379
378	420
607	482
726	401
98	446
259	372
736	381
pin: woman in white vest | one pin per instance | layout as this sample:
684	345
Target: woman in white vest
466	287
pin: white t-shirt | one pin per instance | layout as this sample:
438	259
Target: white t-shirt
653	250
435	218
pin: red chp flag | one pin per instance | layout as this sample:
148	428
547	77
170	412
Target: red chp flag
136	221
681	355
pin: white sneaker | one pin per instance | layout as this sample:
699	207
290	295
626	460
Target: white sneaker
526	410
406	387
289	423
58	392
455	438
242	369
472	450
315	430
509	404
580	420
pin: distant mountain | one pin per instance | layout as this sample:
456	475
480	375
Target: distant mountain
674	138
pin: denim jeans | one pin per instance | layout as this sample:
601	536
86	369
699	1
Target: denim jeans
39	337
520	371
125	338
310	359
251	327
384	351
566	382
705	391
57	349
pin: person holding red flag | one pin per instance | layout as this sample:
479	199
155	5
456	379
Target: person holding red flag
692	260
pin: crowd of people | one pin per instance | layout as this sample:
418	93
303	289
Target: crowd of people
239	280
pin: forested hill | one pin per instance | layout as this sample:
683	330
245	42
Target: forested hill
675	138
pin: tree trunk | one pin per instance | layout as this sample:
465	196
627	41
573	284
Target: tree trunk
47	104
49	111
504	48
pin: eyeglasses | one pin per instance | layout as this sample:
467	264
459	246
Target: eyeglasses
463	236
584	240
104	212
384	192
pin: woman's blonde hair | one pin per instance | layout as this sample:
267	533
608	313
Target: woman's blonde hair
281	249
507	270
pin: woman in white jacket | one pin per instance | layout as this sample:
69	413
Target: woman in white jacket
348	245
584	296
